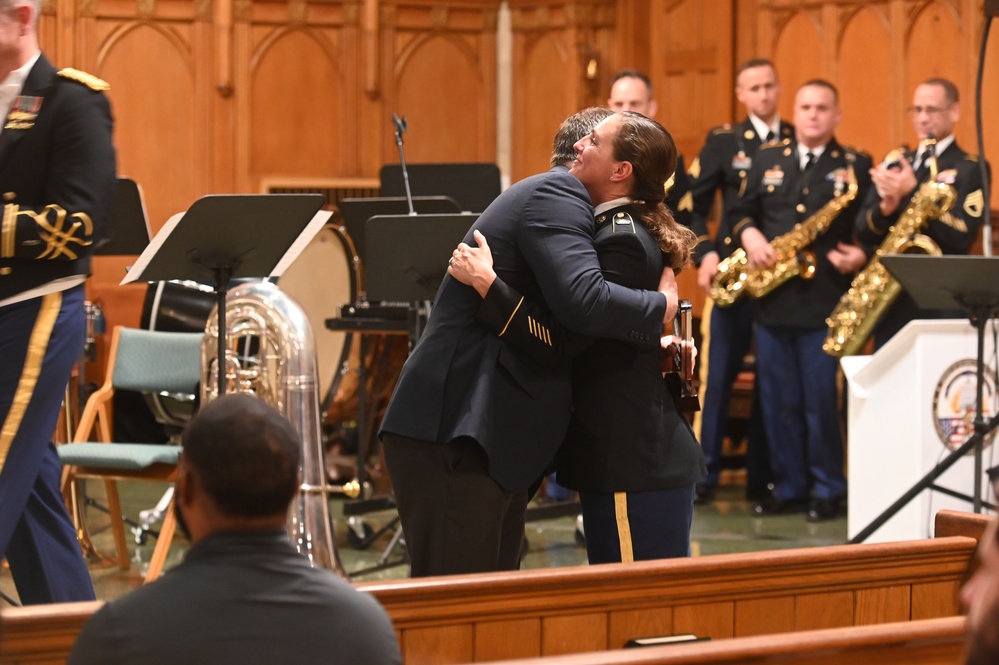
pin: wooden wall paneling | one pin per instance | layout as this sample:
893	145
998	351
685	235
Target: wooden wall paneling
797	51
868	114
633	43
823	610
500	640
437	645
573	633
294	85
763	616
625	625
881	605
714	620
553	42
441	75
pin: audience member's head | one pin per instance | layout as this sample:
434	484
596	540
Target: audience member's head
631	90
239	468
980	598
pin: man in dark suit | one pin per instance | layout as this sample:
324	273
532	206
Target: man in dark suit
935	111
631	90
789	183
57	179
724	164
472	425
242	594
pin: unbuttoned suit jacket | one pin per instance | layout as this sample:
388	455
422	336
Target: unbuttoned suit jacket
462	381
62	157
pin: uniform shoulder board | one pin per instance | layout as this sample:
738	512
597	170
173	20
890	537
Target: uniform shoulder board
971	157
86	79
857	151
775	144
722	129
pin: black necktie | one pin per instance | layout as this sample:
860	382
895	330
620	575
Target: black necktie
770	136
809	161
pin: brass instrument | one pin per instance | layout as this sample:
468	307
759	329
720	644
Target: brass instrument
874	289
735	277
271	354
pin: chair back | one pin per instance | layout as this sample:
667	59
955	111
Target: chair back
156	361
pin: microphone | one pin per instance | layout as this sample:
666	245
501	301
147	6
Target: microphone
400	123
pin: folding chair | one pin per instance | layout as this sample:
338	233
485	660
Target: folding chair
140	360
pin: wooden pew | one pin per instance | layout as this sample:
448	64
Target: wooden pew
956	523
926	642
475	618
571	610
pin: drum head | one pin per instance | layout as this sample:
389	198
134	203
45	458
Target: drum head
320	280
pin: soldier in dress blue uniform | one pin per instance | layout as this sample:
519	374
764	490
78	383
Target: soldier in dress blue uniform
724	164
57	179
935	112
788	183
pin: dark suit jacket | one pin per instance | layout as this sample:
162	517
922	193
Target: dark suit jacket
461	380
723	164
57	180
779	196
625	434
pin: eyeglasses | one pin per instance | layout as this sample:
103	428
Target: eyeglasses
928	110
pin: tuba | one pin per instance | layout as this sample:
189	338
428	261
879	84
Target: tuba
271	354
873	290
736	278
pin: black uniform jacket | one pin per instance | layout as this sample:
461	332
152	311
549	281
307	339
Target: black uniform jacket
462	380
778	197
723	164
625	434
57	168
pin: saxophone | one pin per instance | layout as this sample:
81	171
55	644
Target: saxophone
271	354
735	277
874	289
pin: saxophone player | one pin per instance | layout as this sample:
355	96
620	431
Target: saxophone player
791	182
935	111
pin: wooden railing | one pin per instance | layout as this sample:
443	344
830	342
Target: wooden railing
536	613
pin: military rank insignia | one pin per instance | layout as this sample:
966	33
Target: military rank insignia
23	112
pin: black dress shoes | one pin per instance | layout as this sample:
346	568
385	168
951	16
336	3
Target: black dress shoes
823	510
703	494
774	506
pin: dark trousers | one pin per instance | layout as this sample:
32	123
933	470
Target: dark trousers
40	341
797	383
455	518
731	333
637	526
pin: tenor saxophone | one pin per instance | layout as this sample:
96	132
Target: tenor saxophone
873	290
735	277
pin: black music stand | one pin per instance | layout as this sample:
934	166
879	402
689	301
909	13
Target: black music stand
407	255
357	211
127	231
970	283
472	185
224	237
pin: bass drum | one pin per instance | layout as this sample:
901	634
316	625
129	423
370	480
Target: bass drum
323	277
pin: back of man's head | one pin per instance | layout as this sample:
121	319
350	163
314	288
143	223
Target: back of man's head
573	128
245	456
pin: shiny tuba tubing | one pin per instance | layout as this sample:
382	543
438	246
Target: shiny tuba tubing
735	277
873	290
270	353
